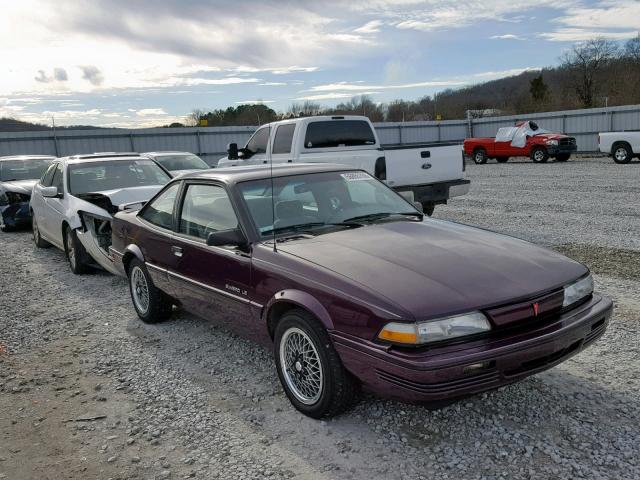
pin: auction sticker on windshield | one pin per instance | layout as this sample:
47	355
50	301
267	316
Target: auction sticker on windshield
354	176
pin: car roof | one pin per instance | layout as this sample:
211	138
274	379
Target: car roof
168	152
96	157
243	173
27	157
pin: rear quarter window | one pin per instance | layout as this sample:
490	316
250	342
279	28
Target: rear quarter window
337	133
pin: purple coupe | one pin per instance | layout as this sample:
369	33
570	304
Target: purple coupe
353	286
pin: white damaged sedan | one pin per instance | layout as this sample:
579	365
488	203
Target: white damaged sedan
73	203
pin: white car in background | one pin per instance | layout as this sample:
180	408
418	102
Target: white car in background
178	162
73	203
621	146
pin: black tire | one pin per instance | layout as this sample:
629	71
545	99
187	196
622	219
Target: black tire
75	252
539	155
621	153
6	228
159	304
502	159
37	238
563	157
428	208
338	390
480	156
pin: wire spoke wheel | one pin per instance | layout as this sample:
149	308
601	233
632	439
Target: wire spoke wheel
139	289
301	366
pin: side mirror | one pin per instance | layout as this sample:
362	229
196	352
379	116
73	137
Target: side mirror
232	151
418	206
226	237
49	192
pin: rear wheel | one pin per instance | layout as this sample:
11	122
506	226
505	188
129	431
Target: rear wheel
76	254
37	238
539	155
152	304
502	159
480	156
621	153
563	157
309	367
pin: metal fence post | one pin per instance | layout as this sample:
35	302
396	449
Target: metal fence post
439	134
199	142
133	147
400	133
56	147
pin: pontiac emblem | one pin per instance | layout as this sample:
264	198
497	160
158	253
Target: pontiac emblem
535	307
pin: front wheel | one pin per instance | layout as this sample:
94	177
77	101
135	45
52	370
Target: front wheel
76	254
152	305
563	157
539	155
309	367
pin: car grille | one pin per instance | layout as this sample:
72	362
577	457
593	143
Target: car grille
570	141
484	379
548	306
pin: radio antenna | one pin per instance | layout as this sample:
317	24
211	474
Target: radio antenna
273	201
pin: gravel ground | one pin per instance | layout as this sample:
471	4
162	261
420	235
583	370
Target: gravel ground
87	391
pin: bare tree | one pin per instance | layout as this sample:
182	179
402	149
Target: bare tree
193	119
632	49
305	109
585	61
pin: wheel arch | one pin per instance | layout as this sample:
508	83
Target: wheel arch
286	300
621	143
130	252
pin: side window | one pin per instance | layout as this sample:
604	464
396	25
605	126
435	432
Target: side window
258	143
283	138
160	211
206	209
47	176
56	181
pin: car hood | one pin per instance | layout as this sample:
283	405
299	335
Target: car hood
110	200
434	268
19	186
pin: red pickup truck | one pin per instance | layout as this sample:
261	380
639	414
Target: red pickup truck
526	139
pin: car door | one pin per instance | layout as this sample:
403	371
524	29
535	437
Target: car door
281	146
37	200
53	211
156	238
211	281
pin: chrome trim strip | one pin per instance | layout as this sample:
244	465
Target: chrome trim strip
214	289
155	267
113	251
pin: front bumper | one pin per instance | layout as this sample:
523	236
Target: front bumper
15	215
560	149
100	256
436	192
445	373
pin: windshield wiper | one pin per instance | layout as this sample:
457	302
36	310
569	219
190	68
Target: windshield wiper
301	227
372	217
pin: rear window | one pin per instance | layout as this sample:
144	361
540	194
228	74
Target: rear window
336	133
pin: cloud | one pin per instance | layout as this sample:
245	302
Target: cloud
254	102
146	112
370	27
358	87
491	75
506	36
92	74
333	95
60	74
580	35
273	84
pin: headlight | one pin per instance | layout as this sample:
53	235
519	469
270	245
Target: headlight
577	291
435	330
551	142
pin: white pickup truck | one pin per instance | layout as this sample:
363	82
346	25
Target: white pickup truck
621	146
425	173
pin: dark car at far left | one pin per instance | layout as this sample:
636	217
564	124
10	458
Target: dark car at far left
18	175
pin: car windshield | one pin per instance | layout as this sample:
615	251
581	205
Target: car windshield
178	161
318	202
114	174
28	169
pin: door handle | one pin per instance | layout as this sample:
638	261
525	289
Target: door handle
177	251
425	154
